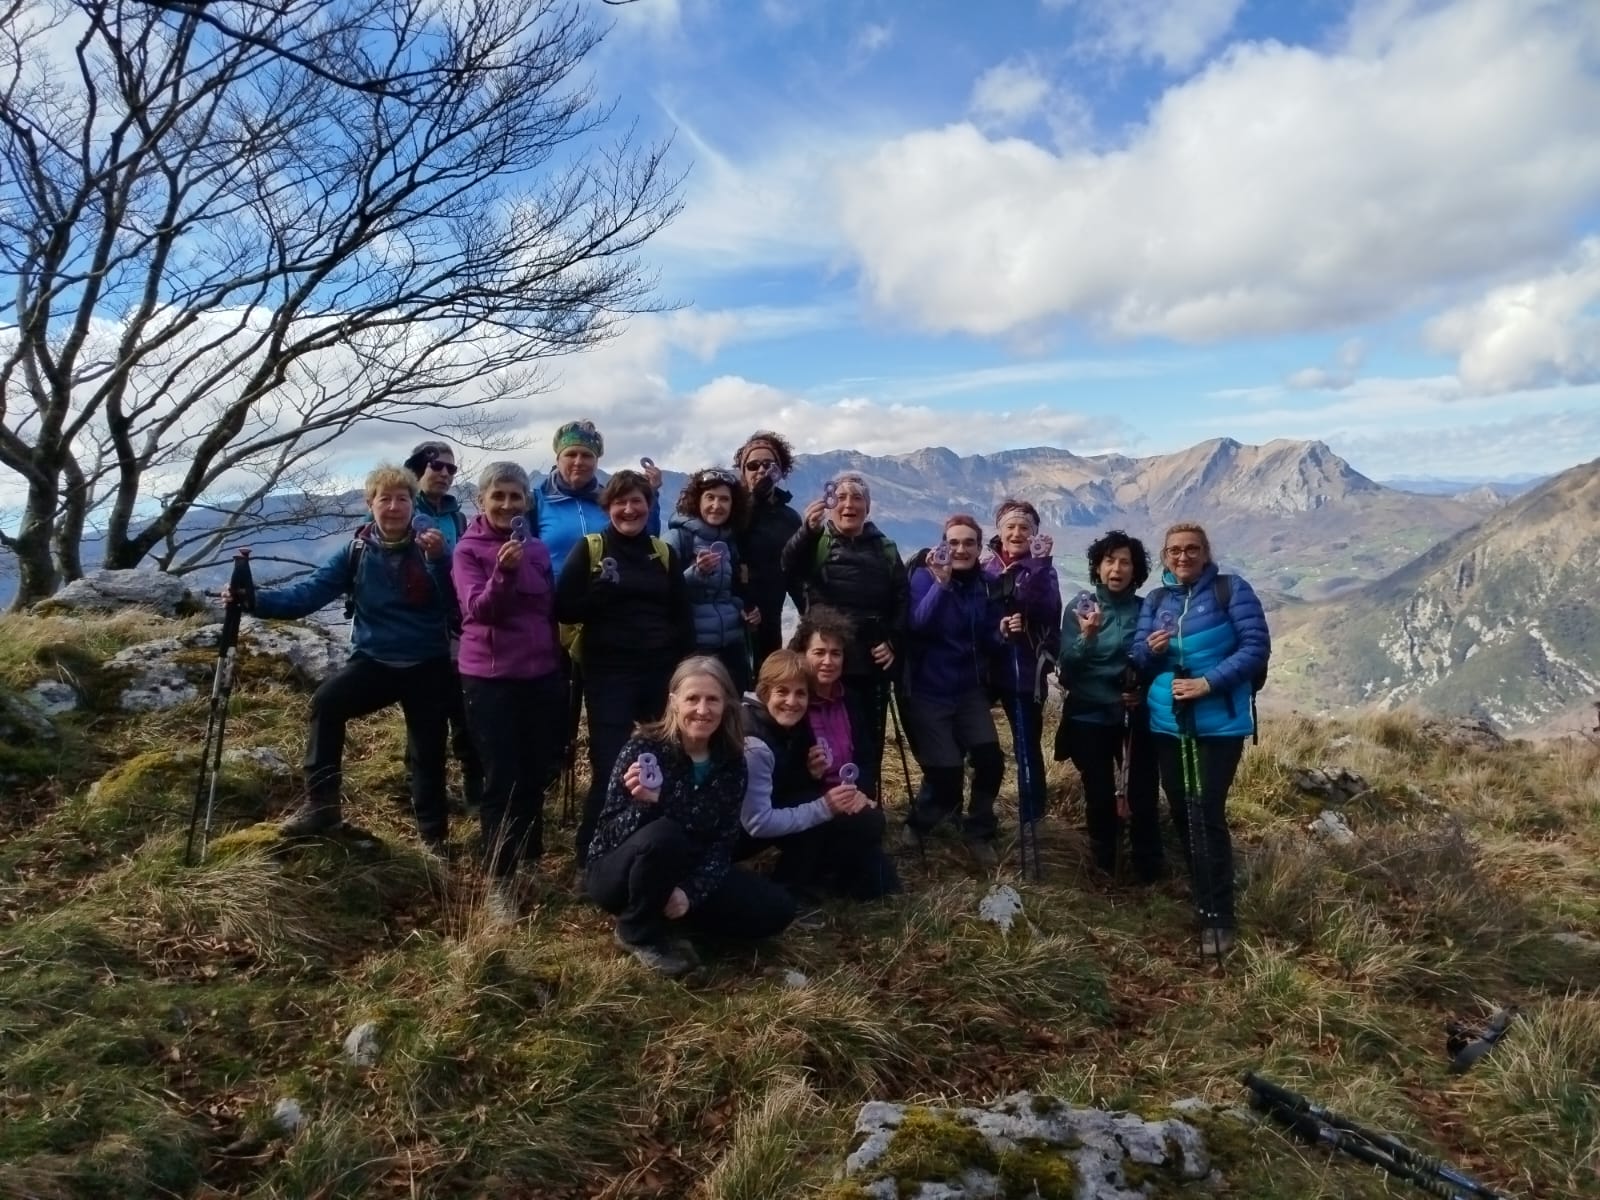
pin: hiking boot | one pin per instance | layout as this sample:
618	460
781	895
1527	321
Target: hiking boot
311	818
500	905
1214	943
983	853
660	957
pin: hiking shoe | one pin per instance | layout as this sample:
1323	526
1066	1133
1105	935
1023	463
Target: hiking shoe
660	957
500	905
1214	943
311	818
983	853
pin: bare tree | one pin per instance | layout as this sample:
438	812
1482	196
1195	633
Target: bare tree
235	232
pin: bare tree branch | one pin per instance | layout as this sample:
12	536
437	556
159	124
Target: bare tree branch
232	235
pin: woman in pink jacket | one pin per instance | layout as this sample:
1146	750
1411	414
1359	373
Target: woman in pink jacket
510	675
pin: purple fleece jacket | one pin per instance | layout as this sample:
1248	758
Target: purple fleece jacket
508	618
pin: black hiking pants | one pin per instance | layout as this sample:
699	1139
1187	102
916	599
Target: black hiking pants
1095	748
363	687
634	881
616	698
518	726
1203	822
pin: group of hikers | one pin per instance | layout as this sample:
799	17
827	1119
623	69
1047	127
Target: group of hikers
710	740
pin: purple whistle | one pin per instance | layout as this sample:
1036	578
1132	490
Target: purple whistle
848	774
646	461
519	529
608	571
649	770
940	555
1040	547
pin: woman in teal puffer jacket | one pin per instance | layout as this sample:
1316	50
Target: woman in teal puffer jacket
1104	716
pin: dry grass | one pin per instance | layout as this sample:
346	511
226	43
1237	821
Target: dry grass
152	1015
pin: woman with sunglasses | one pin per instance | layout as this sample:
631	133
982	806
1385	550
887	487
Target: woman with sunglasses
1202	640
712	508
764	461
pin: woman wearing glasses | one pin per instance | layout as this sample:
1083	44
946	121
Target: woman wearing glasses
712	508
764	461
1203	641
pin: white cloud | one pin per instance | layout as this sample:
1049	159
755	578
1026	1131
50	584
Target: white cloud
1175	33
1533	333
1282	189
1009	92
870	39
1341	374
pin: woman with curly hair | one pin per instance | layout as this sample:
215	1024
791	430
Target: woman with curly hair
712	508
1105	726
764	461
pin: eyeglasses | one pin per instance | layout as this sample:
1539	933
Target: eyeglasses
438	464
1186	551
759	464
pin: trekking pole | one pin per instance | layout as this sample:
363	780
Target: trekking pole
1319	1125
1194	806
241	595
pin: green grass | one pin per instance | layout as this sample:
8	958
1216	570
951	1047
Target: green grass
151	1015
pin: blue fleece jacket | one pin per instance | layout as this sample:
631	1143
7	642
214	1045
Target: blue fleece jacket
403	600
714	598
955	628
563	517
1227	649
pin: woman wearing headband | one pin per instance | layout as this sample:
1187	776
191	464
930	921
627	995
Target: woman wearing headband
566	505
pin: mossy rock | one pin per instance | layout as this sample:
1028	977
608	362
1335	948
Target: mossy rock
930	1148
1038	1174
156	789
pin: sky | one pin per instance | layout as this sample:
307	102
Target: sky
1113	225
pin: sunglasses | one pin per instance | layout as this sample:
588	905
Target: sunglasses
438	464
716	475
759	464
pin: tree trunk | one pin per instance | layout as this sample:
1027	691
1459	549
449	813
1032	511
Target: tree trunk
36	569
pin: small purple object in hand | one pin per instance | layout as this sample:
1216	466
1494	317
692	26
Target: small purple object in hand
608	571
1085	605
647	462
649	771
939	556
420	524
849	774
720	549
1168	622
1040	547
827	752
519	529
830	494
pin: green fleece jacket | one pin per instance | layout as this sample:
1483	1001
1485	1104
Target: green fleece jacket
1092	668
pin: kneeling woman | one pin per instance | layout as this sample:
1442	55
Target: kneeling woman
829	832
662	854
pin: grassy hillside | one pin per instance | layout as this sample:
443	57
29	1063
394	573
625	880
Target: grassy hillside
151	1016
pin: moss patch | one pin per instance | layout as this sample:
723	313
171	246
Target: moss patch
930	1148
1037	1174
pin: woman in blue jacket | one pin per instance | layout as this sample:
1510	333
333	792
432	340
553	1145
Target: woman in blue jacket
955	629
1203	641
712	508
566	506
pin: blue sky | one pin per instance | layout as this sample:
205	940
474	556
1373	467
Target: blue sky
1115	225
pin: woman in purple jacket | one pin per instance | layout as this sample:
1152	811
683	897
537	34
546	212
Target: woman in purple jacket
1023	577
510	674
955	630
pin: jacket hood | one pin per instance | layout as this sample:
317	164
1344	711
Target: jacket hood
698	527
555	490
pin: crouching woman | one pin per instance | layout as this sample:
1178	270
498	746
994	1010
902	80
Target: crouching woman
829	835
662	856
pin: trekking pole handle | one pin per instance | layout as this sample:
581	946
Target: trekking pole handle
1270	1093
